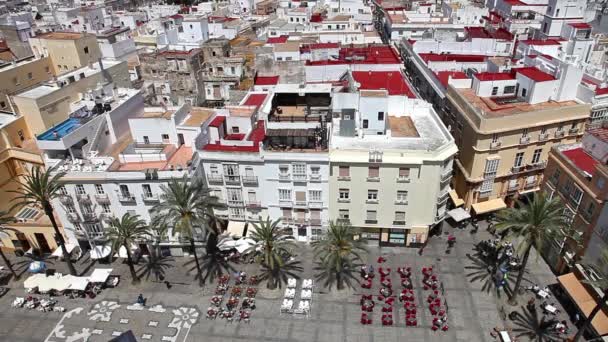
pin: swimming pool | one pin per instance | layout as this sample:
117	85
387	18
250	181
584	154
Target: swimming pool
62	130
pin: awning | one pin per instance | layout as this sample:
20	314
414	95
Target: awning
244	244
455	199
459	214
584	301
226	244
77	283
236	228
100	252
488	206
33	281
122	251
100	275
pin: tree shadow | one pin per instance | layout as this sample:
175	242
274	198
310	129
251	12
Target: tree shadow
278	276
213	265
22	264
92	263
529	323
341	276
155	266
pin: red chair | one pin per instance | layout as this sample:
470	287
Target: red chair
444	328
434	328
442	312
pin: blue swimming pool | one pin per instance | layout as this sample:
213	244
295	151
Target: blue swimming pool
61	129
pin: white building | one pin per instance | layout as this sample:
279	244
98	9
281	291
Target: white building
391	161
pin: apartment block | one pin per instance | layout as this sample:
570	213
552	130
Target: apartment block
68	50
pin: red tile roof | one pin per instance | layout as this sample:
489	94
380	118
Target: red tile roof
377	54
277	40
600	133
266	80
535	74
480	32
255	99
217	121
601	91
580	25
176	16
316	18
494	76
581	159
521	3
435	57
444	76
257	135
540	42
392	81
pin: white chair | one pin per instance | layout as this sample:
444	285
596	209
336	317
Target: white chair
291	282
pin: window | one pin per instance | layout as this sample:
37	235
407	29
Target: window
94	229
536	156
2	104
380	116
568	215
590	209
147	190
365	123
315	171
375	156
16	80
47	69
234	195
62	190
86	49
231	170
399	216
69	207
284	169
344	171
299	171
286	213
344	194
30	76
301	196
404	172
573	125
524	132
486	186
494	138
509	90
577	195
124	190
373	172
600	183
494	91
343	214
235	129
213	169
315	195
555	176
105	207
523	92
543	130
371	216
285	194
77	227
519	158
401	196
99	189
372	195
560	128
146	139
165	137
80	189
87	209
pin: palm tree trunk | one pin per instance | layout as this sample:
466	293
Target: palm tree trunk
589	319
8	264
198	266
131	267
520	276
48	210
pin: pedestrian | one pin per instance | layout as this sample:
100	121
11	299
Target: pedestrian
141	300
420	250
168	284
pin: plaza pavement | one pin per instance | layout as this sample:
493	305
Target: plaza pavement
472	314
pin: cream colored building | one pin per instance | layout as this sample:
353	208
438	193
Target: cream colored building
67	50
505	125
50	103
392	183
21	75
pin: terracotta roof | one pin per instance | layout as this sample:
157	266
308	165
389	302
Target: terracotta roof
581	159
277	40
377	54
535	74
255	99
392	81
600	133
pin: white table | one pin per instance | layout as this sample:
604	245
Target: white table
550	308
543	294
504	336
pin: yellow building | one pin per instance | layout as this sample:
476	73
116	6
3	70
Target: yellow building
51	103
505	125
18	153
67	50
21	75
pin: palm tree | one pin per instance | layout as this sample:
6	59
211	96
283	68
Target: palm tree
187	208
125	232
278	275
535	327
5	218
211	266
338	254
533	224
602	283
39	188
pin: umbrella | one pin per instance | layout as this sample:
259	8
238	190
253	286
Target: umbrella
36	267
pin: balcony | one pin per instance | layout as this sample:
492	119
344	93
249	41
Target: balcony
315	204
513	188
250	180
284	177
105	216
285	203
126	198
573	130
559	134
446	175
236	217
73	217
398	223
215	179
343	220
524	140
371	201
401	201
536	166
485	194
236	203
517	169
344	178
373	179
83	198
495	145
443	196
316	222
301	221
254	204
403	179
89	217
287	220
299	177
66	199
232	180
301	204
150	198
543	136
315	177
343	200
102	198
371	221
